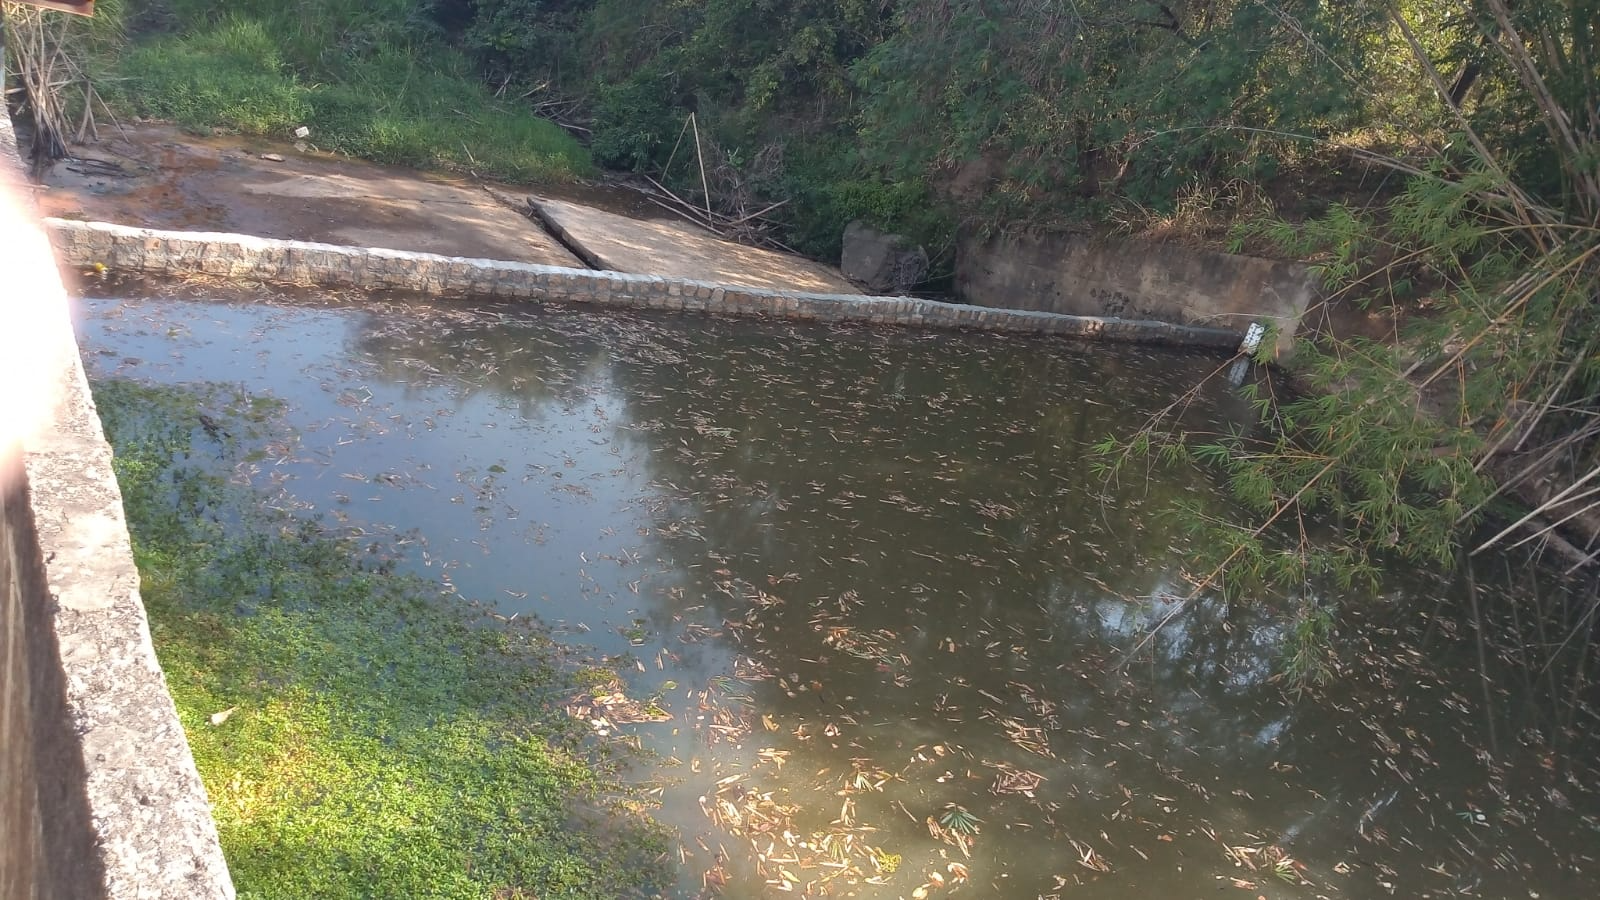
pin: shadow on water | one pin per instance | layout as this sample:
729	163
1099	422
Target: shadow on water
877	584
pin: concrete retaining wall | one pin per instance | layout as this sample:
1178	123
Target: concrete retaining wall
1079	275
128	249
99	797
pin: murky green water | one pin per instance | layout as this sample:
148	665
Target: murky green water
875	583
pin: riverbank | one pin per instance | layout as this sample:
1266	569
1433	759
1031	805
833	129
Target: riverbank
362	77
359	734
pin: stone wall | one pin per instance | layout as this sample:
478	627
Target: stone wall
46	839
23	864
99	797
1079	275
174	253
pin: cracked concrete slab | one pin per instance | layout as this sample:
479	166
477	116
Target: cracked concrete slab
674	249
157	177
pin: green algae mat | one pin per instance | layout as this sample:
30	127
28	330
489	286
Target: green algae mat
359	734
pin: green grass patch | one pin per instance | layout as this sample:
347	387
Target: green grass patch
359	734
366	86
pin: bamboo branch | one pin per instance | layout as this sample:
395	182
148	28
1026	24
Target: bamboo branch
1555	118
1558	500
1216	572
1521	202
1552	526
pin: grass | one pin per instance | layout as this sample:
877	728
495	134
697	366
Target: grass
369	80
359	734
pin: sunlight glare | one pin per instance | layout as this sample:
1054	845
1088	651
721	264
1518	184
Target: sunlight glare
32	315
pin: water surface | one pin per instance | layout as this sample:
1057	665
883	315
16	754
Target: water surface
871	584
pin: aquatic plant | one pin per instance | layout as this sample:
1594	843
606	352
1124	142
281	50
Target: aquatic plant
956	818
358	733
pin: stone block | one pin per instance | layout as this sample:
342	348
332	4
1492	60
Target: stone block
880	262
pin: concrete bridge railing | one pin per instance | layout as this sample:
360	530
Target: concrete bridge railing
99	797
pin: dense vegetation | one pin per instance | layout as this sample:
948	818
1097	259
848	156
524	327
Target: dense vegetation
1181	116
1006	111
1488	386
358	734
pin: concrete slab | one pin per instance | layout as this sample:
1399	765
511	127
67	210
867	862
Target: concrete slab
674	249
157	177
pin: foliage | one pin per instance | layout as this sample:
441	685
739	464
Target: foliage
521	41
1399	449
1084	100
359	736
1052	111
634	121
369	79
771	84
231	75
828	184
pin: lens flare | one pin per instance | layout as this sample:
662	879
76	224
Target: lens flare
34	338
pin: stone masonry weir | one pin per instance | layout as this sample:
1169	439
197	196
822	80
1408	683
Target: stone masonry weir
126	249
99	797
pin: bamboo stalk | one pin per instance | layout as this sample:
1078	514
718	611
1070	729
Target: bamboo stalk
671	157
684	203
1555	118
756	215
704	184
1547	455
1558	500
693	219
1551	527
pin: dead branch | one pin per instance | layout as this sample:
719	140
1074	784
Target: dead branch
42	55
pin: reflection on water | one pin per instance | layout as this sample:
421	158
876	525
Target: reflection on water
876	584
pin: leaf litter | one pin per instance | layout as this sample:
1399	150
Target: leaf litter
896	601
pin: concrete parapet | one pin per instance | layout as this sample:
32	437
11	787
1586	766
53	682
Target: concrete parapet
99	796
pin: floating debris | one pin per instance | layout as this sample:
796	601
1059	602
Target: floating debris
607	706
863	598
